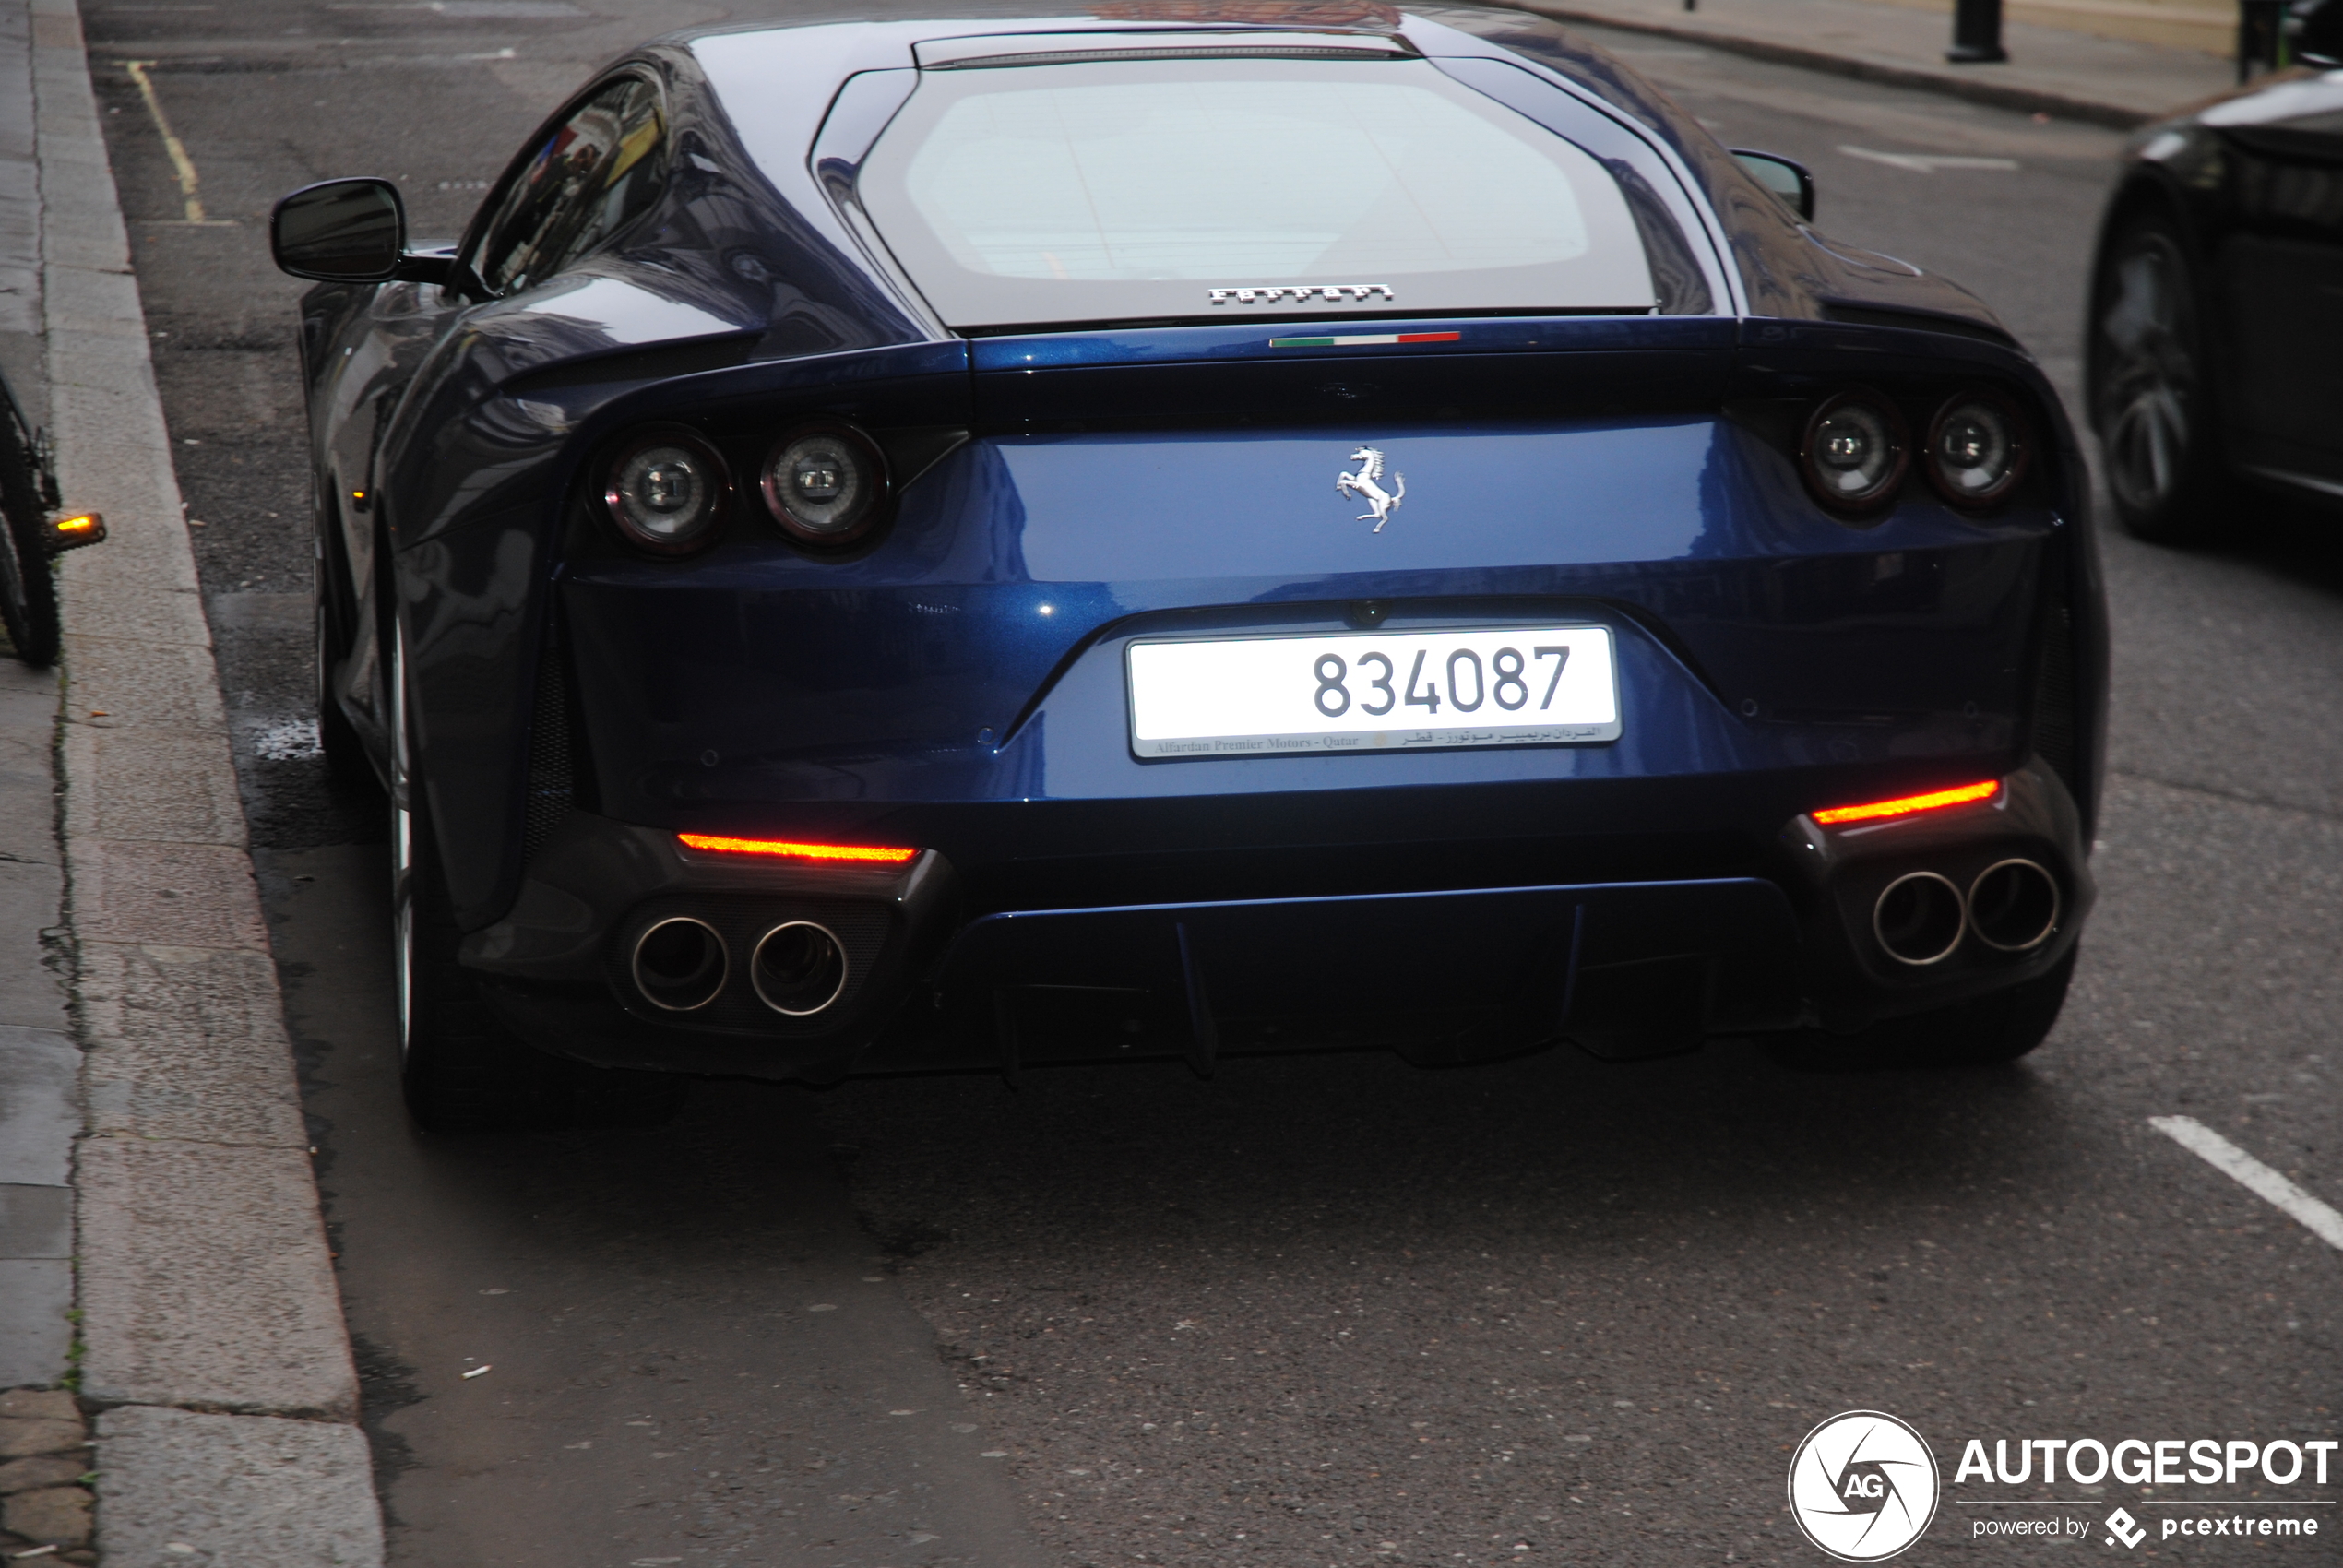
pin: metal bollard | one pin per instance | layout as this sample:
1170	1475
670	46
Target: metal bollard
2261	36
1977	34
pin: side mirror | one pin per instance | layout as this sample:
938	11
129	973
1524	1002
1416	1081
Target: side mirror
1786	177
348	232
2314	32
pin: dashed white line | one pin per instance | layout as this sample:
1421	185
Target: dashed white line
2253	1175
1930	162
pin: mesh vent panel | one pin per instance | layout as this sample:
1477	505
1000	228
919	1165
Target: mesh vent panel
551	756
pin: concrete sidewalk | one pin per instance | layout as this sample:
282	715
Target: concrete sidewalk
44	1451
2106	81
154	1165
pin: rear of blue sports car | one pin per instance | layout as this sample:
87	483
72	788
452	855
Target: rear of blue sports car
1372	541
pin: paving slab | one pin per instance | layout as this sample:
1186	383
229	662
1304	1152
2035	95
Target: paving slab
40	1105
36	1470
36	1337
57	1515
32	994
41	1431
36	1222
38	1405
243	1492
21	307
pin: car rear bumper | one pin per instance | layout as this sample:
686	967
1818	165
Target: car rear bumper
1724	933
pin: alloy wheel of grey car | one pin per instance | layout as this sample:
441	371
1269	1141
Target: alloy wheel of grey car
403	854
2149	402
345	752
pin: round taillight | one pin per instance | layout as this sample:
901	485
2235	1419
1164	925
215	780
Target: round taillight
665	490
1975	449
825	484
1855	452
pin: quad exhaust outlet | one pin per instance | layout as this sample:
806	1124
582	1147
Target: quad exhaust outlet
799	969
2012	906
1918	918
679	964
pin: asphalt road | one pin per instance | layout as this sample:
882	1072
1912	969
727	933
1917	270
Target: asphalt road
1332	1310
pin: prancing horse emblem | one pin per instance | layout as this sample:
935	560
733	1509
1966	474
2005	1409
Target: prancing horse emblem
1381	503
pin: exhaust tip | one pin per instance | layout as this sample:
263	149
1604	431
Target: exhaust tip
680	964
799	969
2014	906
1918	920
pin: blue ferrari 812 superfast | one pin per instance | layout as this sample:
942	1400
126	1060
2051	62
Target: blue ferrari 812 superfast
1177	530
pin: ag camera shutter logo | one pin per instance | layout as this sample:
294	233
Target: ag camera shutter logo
1864	1486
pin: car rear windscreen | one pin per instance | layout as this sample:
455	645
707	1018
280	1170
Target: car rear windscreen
1203	189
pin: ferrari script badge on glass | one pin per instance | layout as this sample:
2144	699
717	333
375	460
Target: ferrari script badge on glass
1864	1486
1331	293
1367	485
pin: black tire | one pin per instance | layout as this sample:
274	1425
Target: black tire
28	582
2151	386
461	1070
1989	1032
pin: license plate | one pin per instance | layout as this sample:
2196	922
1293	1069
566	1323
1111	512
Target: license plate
1368	691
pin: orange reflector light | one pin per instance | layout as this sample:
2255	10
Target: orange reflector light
866	853
1903	805
72	533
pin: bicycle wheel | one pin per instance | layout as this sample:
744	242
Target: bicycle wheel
27	584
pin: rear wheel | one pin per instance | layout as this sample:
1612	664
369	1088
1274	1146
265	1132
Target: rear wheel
346	757
2151	387
461	1069
28	583
1984	1033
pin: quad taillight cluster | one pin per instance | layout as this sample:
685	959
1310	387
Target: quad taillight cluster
1857	449
668	490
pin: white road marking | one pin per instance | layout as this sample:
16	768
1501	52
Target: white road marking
2253	1175
1930	162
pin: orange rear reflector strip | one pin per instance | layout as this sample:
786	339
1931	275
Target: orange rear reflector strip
866	853
1903	805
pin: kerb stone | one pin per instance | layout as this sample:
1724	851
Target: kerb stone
186	1042
246	1319
247	1491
